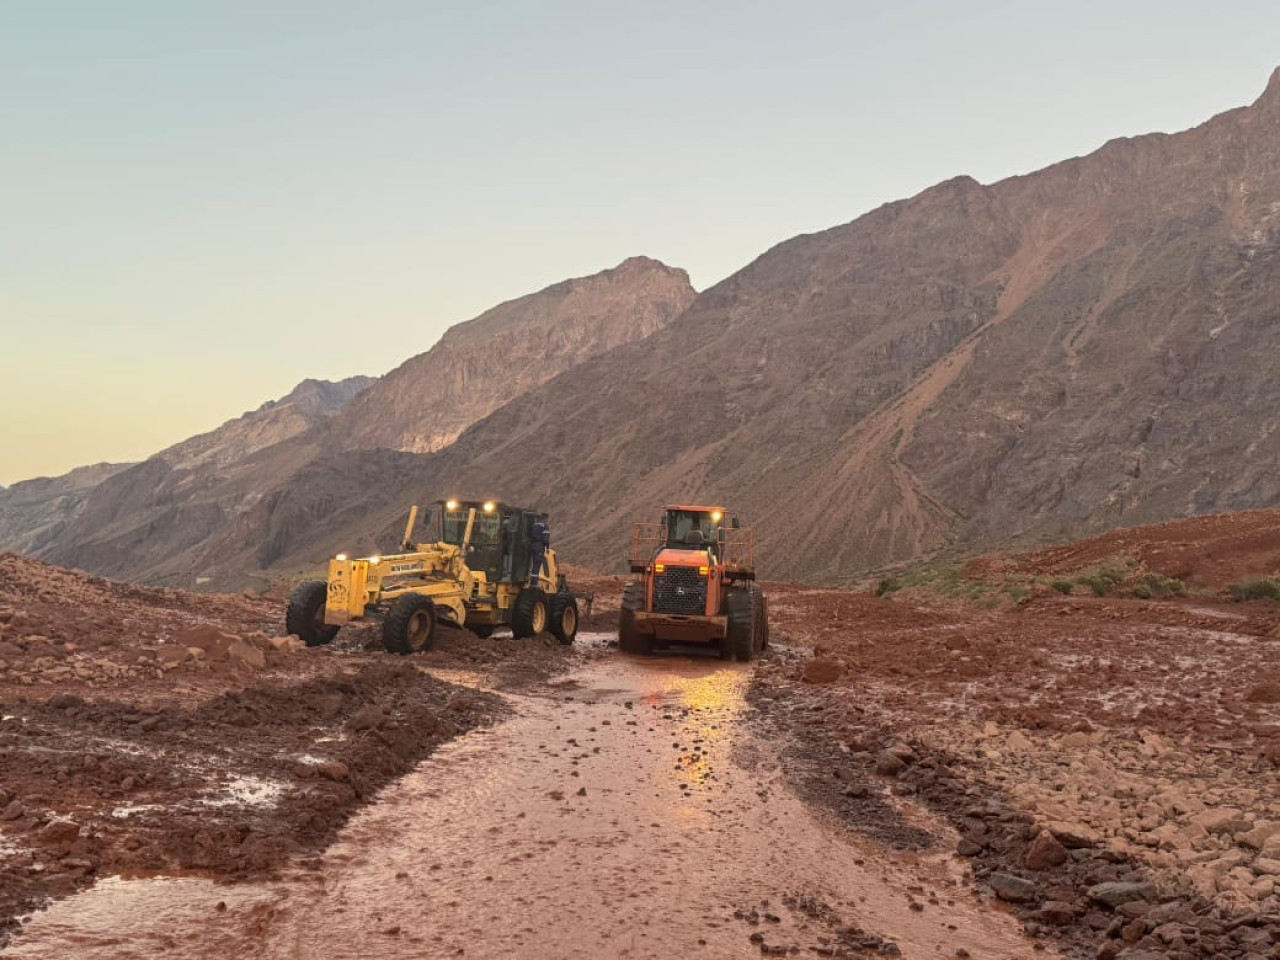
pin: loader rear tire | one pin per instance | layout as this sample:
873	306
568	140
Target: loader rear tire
564	617
410	626
744	622
304	617
630	639
529	614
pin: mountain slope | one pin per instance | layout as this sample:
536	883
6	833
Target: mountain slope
477	366
1051	355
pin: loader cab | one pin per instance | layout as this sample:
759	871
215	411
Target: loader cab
694	528
500	536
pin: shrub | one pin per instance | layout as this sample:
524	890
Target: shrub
1154	585
1267	588
1062	586
886	586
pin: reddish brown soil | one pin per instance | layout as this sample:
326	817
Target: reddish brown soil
1210	551
121	751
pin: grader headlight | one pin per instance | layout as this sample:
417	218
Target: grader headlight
451	505
488	506
341	558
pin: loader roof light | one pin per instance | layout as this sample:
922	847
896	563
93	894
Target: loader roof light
659	567
451	505
488	506
716	516
341	557
374	561
704	570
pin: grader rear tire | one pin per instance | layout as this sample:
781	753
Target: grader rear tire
304	617
744	623
564	618
410	626
630	639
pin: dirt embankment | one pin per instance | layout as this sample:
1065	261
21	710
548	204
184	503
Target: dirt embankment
1108	766
1212	551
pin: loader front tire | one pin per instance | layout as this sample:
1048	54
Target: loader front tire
484	630
630	639
529	613
564	617
304	617
744	622
410	625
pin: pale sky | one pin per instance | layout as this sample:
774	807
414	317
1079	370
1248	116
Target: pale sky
203	203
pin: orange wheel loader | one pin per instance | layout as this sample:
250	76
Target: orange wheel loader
695	584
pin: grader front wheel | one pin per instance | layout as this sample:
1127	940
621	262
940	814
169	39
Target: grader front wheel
410	626
304	617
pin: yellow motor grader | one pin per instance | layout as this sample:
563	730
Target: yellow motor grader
490	566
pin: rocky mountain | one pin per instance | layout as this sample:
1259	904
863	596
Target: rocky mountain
477	366
1048	356
33	513
1051	355
168	519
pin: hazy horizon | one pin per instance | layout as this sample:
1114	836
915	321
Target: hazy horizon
204	208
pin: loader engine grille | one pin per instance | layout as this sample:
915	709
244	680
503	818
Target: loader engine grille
680	590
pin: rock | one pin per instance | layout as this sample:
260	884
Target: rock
1055	913
247	655
887	765
1114	893
13	811
1012	889
333	770
59	831
288	643
1217	820
1045	852
1256	838
1267	866
368	717
902	751
821	670
65	701
258	639
968	848
1073	835
208	638
1018	742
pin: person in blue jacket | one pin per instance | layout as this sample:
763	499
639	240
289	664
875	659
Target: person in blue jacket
540	541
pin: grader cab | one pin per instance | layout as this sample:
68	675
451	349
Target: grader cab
489	566
695	584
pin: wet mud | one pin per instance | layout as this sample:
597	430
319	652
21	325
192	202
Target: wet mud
630	810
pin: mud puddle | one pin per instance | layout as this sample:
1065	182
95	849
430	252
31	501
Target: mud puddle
627	810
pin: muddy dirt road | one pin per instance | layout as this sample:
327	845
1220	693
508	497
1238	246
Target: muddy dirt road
631	809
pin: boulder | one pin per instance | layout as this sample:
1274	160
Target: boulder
1055	913
887	765
1013	889
1045	852
333	770
1116	892
821	670
247	655
59	831
1073	835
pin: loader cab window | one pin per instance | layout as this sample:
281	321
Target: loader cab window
692	529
